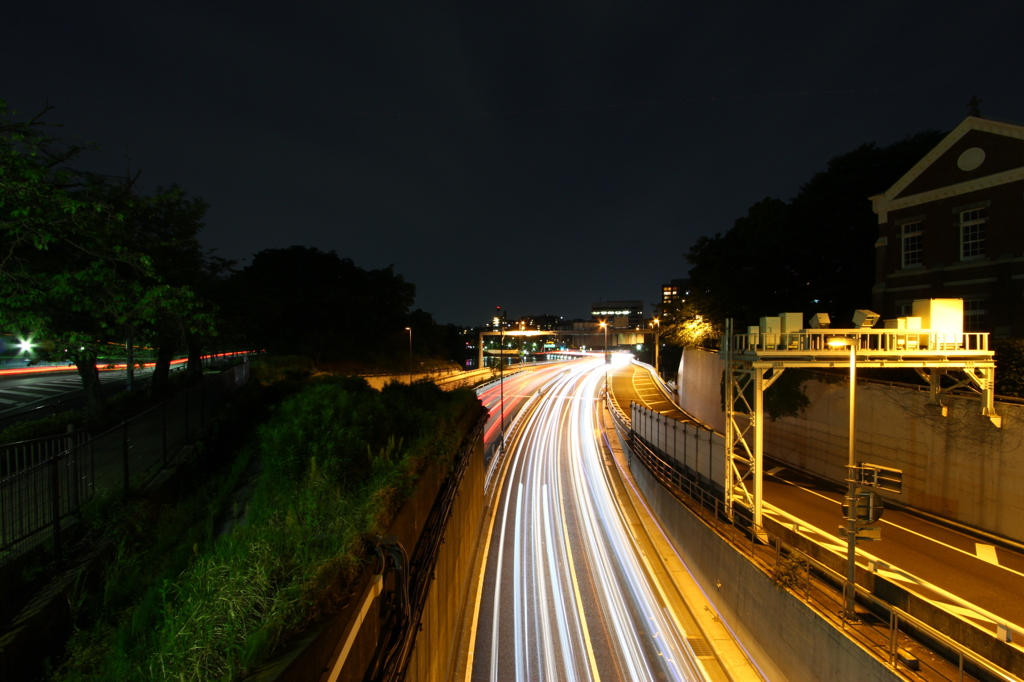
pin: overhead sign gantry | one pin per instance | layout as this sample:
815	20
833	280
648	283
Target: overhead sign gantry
931	342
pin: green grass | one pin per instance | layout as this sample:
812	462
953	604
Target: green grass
338	460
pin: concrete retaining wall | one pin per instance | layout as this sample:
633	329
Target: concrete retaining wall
958	467
434	652
699	450
800	643
698	386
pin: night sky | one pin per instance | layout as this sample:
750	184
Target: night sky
535	156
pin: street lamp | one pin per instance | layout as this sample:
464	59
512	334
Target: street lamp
604	325
656	323
501	375
409	329
851	491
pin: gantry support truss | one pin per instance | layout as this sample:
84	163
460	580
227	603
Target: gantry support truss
754	361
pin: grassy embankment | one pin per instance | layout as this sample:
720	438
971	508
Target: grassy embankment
179	602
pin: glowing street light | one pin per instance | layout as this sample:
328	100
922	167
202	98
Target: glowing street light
25	345
656	323
851	491
604	325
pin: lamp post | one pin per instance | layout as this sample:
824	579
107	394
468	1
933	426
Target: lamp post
409	329
656	323
604	325
851	490
501	376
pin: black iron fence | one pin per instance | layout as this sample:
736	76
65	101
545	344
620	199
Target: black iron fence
45	481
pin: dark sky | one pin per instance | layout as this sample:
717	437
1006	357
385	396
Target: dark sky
534	156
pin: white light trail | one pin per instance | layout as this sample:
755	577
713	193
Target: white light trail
581	606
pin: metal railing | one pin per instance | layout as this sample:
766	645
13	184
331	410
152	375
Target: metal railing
884	340
42	492
885	627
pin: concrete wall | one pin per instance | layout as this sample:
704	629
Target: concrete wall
434	652
699	386
959	467
799	642
699	450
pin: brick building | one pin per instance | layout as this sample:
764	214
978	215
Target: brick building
953	227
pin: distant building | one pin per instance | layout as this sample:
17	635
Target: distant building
953	227
675	290
619	314
542	322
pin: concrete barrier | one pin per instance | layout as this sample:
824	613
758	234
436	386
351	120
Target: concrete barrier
697	449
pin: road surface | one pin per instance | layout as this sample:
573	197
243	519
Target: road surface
566	594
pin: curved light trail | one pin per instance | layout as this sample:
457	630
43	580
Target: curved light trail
566	596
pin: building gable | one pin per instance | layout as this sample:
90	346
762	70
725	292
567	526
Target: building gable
993	153
978	153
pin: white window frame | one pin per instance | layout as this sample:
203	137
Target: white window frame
910	231
972	233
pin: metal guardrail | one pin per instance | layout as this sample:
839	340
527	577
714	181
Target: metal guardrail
817	584
884	340
42	492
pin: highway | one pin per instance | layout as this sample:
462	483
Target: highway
566	595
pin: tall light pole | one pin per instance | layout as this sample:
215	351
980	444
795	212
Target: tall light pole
409	329
604	325
851	490
656	323
501	376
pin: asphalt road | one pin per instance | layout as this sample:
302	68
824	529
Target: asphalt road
566	594
19	392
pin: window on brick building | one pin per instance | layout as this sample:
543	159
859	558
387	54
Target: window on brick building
911	237
974	316
972	233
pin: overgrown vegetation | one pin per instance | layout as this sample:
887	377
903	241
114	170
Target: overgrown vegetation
338	458
1010	367
271	369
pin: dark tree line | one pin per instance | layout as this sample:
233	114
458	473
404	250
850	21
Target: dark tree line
90	267
814	253
87	262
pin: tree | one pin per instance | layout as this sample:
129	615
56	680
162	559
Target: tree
166	226
813	254
301	300
72	274
685	324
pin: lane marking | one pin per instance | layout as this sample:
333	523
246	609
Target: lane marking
905	529
958	610
576	592
987	553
